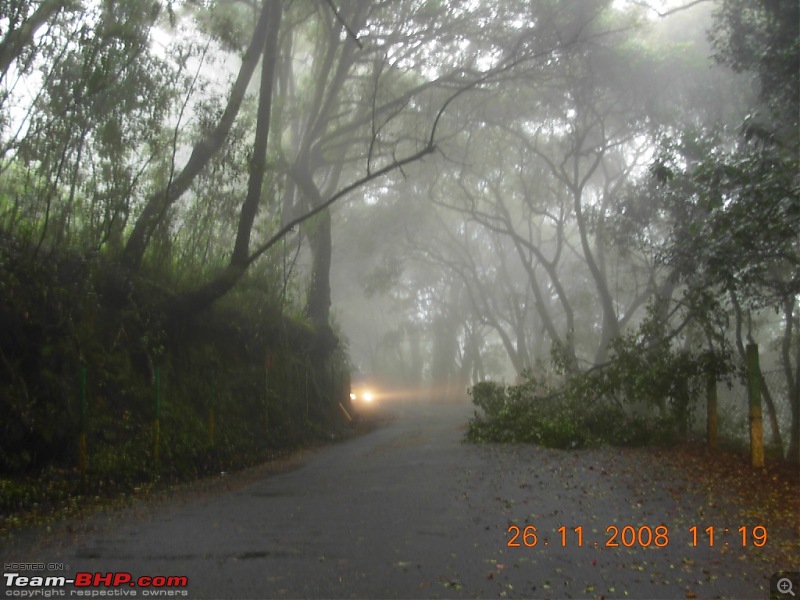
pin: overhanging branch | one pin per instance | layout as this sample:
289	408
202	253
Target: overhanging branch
428	149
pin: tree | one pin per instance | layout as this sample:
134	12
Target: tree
761	37
734	238
24	20
159	202
77	149
736	199
559	162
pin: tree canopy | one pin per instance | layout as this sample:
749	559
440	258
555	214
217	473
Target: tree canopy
456	190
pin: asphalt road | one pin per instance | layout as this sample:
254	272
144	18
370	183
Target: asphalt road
410	511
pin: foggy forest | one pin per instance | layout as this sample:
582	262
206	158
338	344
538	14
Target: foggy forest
220	219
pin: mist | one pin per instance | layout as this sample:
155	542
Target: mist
578	218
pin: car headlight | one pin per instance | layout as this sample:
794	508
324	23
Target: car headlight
362	396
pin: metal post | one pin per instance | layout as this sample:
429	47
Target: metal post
157	417
82	457
711	406
754	400
211	403
269	362
334	387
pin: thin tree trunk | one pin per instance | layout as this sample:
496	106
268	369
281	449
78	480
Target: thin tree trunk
794	401
258	163
159	202
765	392
16	40
792	379
610	327
202	297
711	409
319	293
772	415
754	401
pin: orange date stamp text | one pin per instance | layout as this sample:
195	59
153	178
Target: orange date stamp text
643	536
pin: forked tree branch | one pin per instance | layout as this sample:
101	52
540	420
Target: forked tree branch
395	165
671	11
350	33
398	164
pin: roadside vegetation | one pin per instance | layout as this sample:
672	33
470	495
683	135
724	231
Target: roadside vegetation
211	213
235	386
717	211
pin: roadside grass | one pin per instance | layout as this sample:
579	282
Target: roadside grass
59	507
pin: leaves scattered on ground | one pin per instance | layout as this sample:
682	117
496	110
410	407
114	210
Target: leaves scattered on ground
747	496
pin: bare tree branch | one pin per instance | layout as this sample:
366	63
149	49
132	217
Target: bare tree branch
671	11
428	149
350	33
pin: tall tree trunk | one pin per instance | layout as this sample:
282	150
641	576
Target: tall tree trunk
766	395
318	304
415	356
258	163
16	40
794	401
205	295
772	414
445	344
158	203
754	403
577	183
540	303
610	326
319	293
712	416
792	378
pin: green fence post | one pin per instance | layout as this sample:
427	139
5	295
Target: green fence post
712	418
157	417
754	400
211	403
82	457
334	392
269	363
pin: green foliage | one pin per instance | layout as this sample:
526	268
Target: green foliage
735	213
522	414
489	397
567	420
71	311
570	419
73	170
763	37
646	394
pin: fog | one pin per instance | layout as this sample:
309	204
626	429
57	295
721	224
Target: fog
473	263
421	194
400	298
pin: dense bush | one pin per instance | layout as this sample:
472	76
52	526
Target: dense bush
644	395
251	371
559	420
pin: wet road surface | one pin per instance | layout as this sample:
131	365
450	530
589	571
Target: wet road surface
410	511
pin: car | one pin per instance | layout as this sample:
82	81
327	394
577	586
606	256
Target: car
363	395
